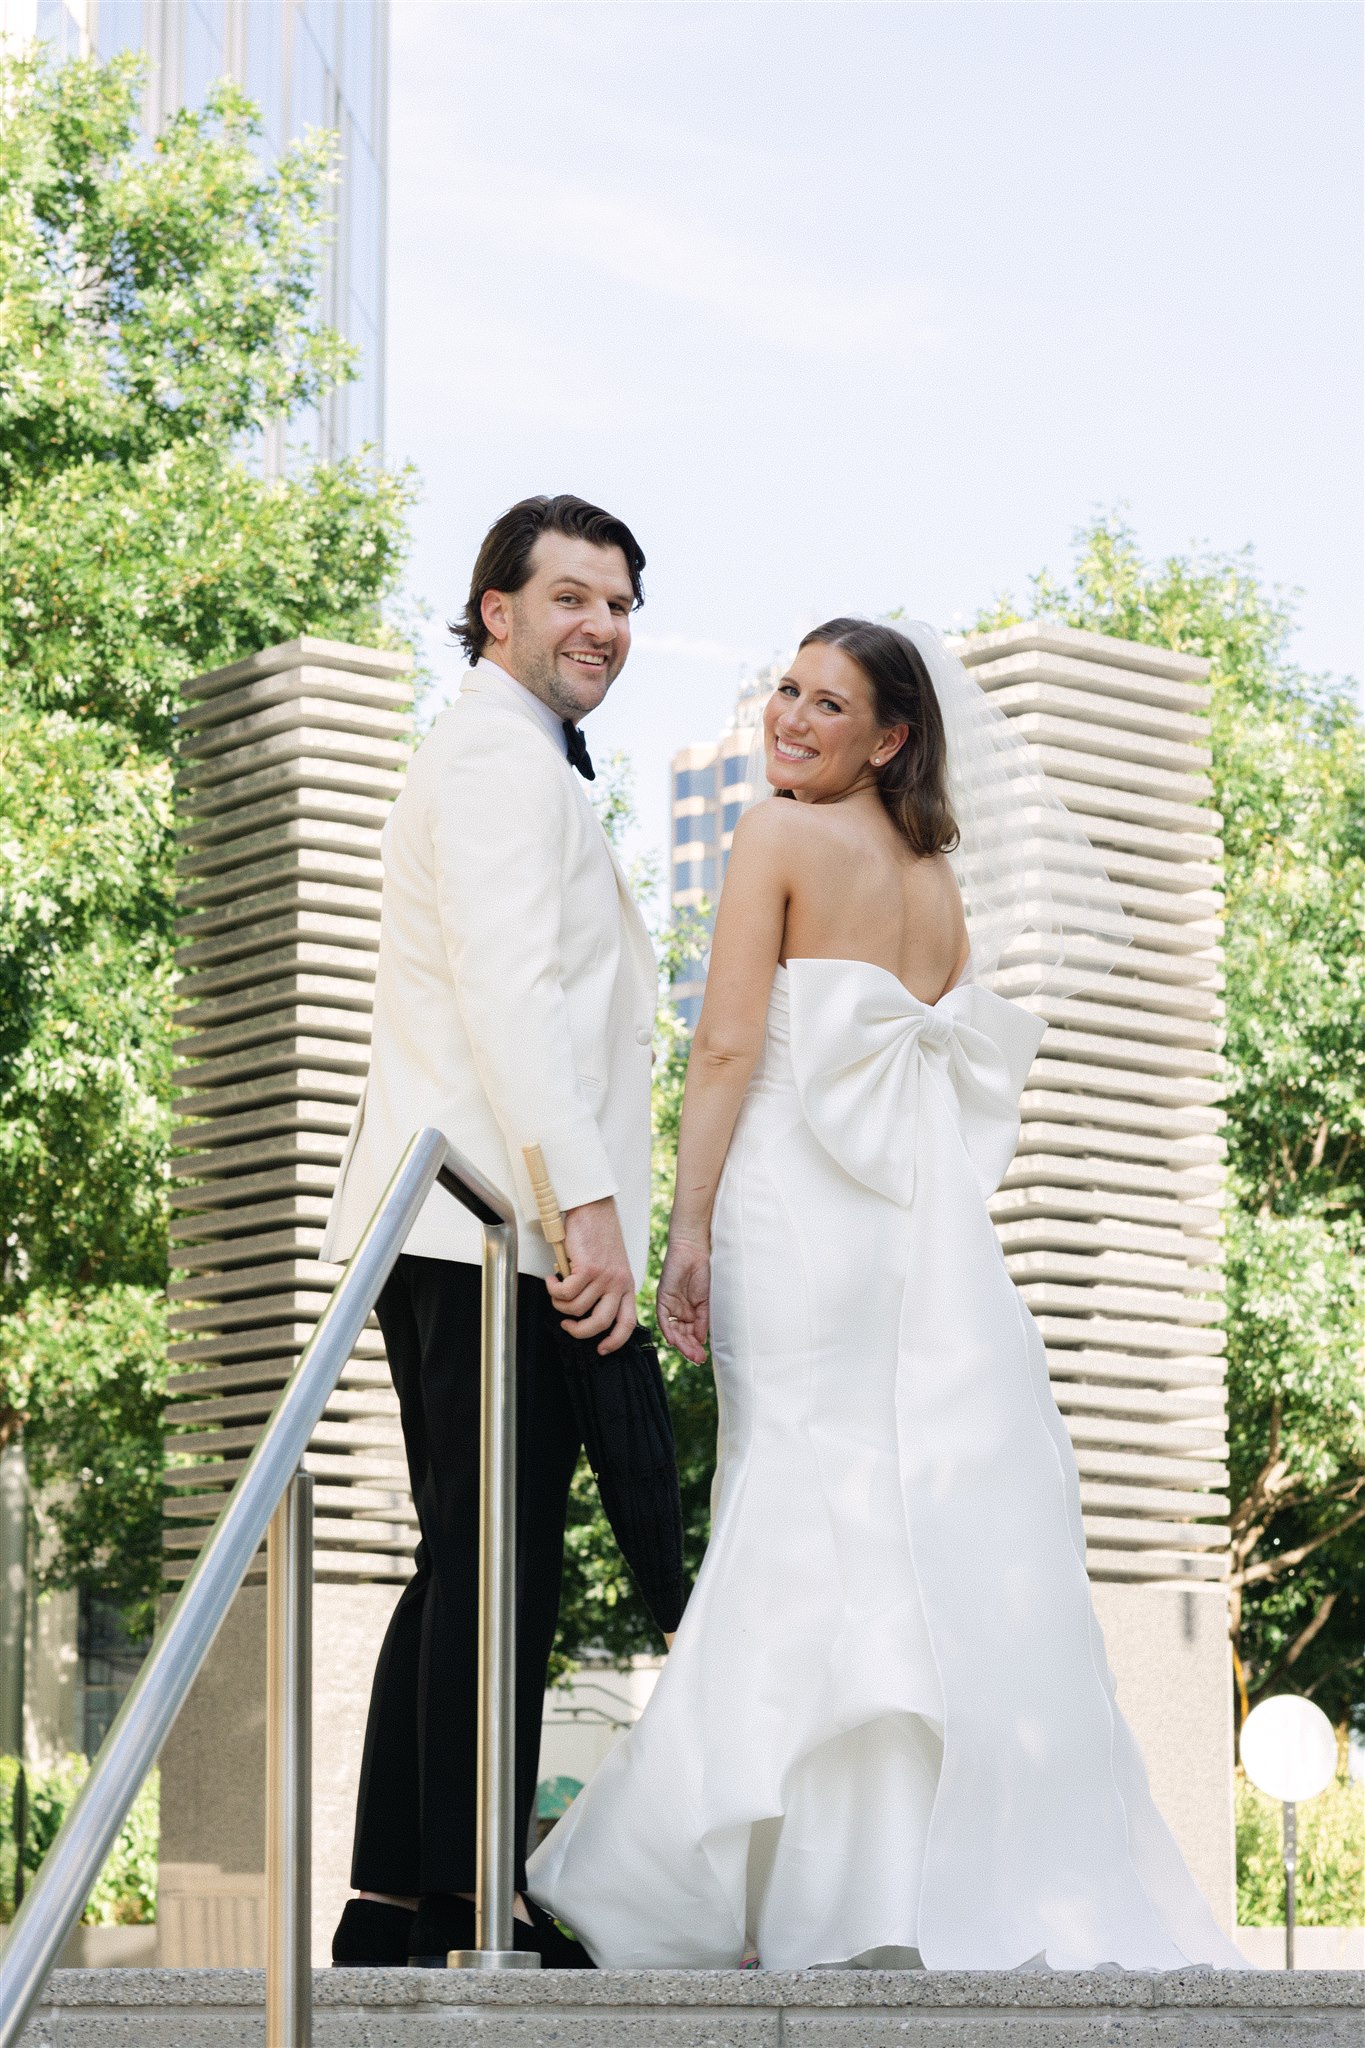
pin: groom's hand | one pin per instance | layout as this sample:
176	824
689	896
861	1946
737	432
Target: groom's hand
599	1294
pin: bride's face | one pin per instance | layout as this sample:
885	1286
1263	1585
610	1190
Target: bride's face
820	729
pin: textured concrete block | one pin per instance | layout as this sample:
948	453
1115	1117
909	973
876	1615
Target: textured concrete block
287	655
718	2009
1067	692
1315	1948
1124	668
1064	2030
326	713
213	1765
1168	1646
970	2030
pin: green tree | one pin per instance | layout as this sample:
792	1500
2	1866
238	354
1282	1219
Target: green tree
1289	777
159	309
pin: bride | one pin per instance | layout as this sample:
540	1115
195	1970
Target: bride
886	1732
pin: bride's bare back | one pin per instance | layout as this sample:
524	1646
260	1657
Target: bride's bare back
861	894
832	881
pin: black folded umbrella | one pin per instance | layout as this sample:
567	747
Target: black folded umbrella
621	1406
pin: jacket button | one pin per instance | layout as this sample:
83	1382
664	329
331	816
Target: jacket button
643	1034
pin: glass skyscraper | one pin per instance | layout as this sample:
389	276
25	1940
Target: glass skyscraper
306	63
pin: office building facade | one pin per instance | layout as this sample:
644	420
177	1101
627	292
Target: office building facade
708	788
306	64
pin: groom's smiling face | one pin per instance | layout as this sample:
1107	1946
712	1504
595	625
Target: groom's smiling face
566	633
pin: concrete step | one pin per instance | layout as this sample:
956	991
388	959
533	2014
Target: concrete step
717	2009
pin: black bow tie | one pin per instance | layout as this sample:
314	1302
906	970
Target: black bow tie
579	757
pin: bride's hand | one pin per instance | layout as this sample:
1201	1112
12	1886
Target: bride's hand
684	1299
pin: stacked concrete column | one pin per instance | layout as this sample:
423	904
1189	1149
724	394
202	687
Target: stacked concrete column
1110	1215
289	762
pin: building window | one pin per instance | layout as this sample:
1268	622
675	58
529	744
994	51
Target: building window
357	64
264	27
312	99
736	769
695	782
119	23
731	815
693	825
323	19
688	1009
204	59
59	28
694	874
109	1661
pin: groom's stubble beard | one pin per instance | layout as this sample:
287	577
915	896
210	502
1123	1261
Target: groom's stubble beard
536	669
536	672
539	673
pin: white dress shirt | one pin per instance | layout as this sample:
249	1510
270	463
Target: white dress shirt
551	720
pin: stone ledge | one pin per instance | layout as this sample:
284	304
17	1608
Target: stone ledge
715	2009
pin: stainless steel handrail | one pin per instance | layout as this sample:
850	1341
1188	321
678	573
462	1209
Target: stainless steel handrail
267	1489
289	1765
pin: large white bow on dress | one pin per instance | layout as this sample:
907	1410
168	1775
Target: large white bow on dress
869	1070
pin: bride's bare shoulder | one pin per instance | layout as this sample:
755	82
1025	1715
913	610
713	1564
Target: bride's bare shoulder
776	823
773	845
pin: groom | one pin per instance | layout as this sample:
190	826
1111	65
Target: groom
514	1004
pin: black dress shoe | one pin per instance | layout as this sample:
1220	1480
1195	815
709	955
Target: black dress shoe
558	1950
371	1935
442	1922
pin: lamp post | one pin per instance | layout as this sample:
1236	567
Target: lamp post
1289	1750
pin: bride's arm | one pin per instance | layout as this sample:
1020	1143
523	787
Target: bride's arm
725	1046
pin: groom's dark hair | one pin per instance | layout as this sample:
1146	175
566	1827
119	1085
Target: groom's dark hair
504	561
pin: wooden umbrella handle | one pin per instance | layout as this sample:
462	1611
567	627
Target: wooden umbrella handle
551	1215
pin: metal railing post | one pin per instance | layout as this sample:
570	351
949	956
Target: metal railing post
289	1768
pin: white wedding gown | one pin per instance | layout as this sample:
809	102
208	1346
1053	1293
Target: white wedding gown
886	1732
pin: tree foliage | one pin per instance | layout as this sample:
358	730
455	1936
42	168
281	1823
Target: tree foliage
88	1368
159	309
1289	779
601	1609
124	1894
1330	1880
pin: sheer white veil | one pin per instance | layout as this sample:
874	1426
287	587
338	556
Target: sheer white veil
1042	913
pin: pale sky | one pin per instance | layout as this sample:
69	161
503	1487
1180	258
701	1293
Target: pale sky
851	306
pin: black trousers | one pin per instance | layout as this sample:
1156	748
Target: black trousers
415	1821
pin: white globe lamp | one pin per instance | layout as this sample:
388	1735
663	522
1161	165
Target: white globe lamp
1289	1750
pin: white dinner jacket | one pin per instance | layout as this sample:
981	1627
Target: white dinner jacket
515	991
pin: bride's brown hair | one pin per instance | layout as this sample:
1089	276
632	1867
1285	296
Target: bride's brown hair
914	782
